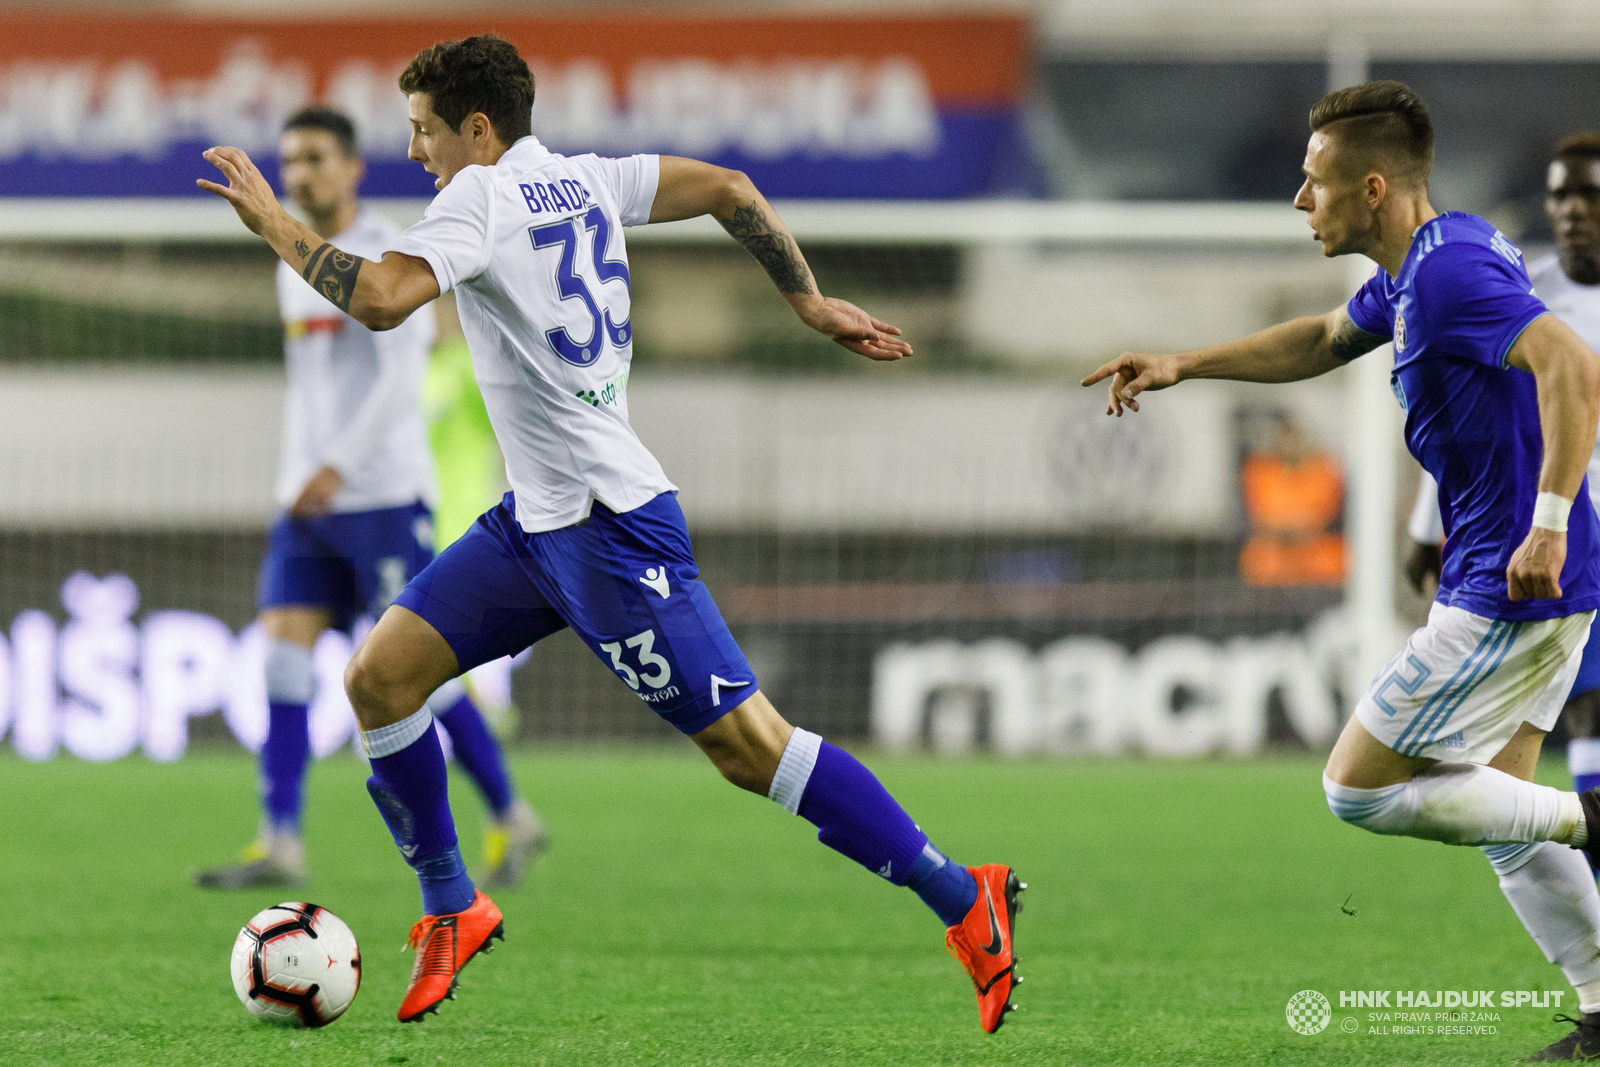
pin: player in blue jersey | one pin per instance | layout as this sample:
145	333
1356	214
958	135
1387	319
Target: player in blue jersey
1568	281
591	535
1501	401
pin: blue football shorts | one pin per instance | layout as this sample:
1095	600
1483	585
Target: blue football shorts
351	563
626	583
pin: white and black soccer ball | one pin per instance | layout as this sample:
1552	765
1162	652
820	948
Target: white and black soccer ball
297	965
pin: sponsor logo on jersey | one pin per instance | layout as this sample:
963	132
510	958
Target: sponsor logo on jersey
656	578
609	393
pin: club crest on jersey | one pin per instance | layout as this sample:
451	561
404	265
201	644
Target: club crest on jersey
1399	332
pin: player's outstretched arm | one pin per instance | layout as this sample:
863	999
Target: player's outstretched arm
1297	349
689	188
379	294
1568	377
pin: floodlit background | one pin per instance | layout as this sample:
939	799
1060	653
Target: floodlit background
956	553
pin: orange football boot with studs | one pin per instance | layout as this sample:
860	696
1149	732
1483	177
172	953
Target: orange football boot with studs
444	944
982	942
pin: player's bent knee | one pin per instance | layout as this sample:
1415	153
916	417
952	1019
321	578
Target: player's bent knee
380	690
1383	810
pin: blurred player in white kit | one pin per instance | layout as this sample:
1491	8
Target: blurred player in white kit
356	486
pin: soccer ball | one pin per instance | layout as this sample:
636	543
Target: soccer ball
296	964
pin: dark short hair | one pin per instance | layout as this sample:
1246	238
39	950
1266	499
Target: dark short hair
1585	146
1385	119
329	120
477	74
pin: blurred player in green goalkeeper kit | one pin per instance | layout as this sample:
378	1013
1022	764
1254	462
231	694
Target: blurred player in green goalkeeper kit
355	483
471	481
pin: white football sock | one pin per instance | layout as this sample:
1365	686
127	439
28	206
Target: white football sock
1462	804
794	770
387	740
1552	890
291	673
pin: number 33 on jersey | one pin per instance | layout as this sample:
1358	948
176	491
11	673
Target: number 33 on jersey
534	251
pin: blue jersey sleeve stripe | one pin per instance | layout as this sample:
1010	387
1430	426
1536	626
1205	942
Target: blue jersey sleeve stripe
1534	314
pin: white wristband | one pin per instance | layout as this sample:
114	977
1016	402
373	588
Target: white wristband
1550	512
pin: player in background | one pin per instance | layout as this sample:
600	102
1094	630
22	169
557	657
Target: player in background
1501	402
1568	281
355	482
591	535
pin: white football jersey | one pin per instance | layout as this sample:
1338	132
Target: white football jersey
355	395
533	248
1579	307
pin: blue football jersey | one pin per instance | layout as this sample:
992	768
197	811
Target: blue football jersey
1460	302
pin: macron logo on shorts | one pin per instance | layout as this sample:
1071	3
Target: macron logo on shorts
656	578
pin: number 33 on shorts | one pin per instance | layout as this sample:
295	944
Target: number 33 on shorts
654	670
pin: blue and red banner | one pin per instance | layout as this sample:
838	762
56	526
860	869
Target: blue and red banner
916	107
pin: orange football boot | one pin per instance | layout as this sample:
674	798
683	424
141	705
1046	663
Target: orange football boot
444	944
982	942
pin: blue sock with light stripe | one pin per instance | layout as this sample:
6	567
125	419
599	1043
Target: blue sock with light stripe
410	787
855	815
948	888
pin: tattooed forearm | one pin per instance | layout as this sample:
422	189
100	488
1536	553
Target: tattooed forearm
332	273
1349	340
774	249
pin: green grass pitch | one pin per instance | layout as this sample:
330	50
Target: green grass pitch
1174	909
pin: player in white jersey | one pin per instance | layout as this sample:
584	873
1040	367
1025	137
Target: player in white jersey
355	485
1568	281
591	535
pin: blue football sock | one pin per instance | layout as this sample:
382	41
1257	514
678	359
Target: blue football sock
283	764
446	889
409	785
948	888
855	815
476	750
